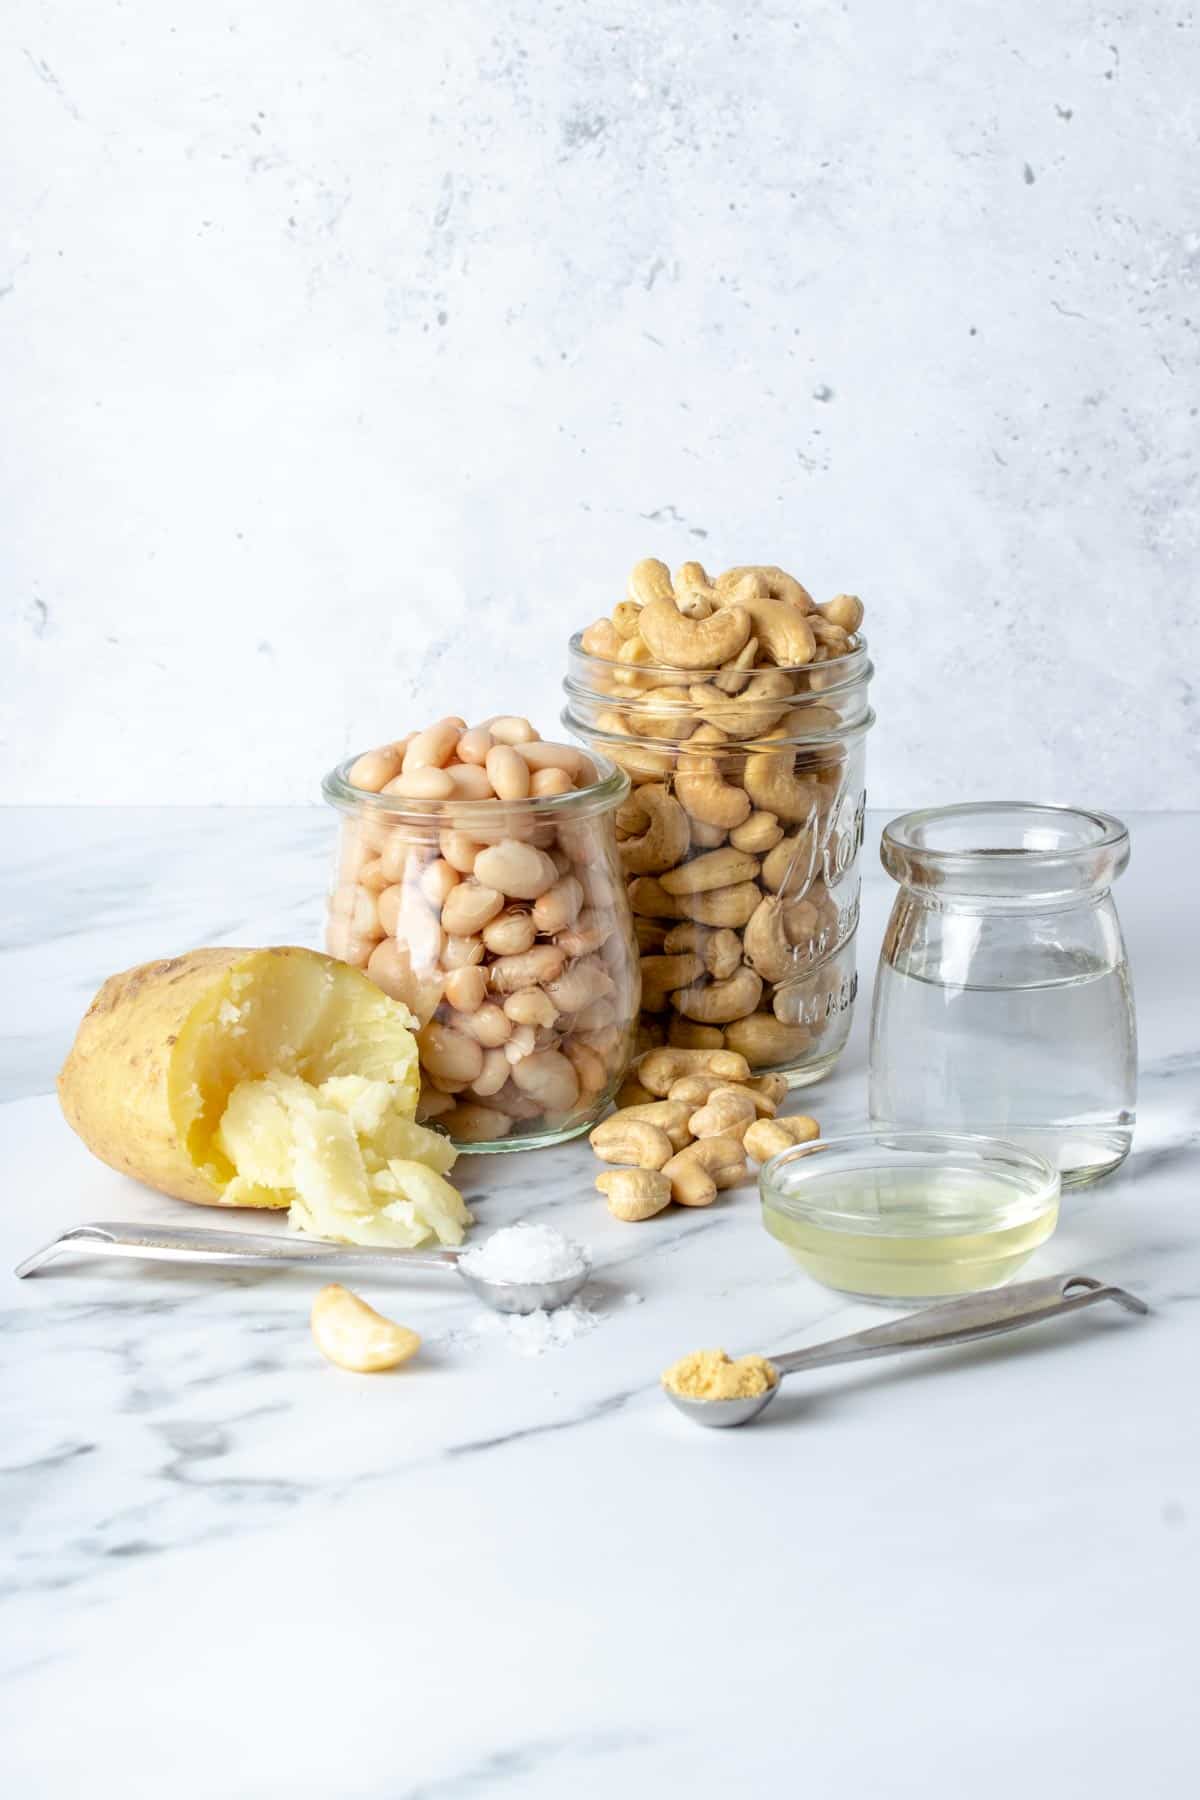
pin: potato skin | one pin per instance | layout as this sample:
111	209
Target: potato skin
114	1088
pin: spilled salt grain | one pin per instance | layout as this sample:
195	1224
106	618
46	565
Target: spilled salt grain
525	1253
532	1334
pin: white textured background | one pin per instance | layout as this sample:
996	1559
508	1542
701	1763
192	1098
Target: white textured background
352	350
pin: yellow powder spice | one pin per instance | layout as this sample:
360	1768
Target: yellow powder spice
712	1375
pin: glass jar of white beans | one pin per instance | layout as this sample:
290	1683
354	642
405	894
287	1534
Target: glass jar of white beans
502	923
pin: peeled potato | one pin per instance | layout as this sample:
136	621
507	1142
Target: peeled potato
273	1078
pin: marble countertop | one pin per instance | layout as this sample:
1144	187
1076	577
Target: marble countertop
226	1568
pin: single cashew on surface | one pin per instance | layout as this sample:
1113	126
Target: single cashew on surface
353	1335
634	1194
495	912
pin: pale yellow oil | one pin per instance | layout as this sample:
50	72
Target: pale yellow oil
916	1236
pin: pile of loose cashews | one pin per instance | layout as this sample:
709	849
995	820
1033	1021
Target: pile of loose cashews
496	919
686	1121
717	696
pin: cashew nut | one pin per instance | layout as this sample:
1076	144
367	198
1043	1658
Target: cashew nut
660	1067
634	1194
601	638
791	863
845	610
649	899
664	832
769	579
726	1113
727	906
691	1183
662	975
701	786
763	1039
715	869
783	632
766	940
670	1116
632	1093
720	948
721	1002
353	1335
632	1141
723	1158
772	783
768	1137
685	1034
626	613
650	580
761	832
678	642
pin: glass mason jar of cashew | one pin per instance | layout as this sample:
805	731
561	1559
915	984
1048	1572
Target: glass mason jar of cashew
740	837
504	927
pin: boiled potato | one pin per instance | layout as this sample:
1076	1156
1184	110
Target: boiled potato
272	1078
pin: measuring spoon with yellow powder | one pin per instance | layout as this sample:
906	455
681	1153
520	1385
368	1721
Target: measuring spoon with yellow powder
711	1389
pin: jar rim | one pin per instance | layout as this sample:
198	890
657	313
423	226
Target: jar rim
599	796
998	849
858	654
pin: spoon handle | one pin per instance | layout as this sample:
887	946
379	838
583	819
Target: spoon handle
960	1321
201	1244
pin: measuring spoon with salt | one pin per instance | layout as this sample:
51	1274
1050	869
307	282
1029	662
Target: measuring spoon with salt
957	1322
200	1244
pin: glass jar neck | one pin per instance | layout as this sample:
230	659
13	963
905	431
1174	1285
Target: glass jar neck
1005	854
814	705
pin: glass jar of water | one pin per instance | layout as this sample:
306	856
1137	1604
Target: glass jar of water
1003	1001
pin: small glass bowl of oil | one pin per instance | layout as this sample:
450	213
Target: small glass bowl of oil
909	1215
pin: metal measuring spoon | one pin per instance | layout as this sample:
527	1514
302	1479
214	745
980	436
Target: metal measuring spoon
201	1244
958	1322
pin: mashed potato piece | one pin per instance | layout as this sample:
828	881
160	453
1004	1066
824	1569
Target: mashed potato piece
348	1156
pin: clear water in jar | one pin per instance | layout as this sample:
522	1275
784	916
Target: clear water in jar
1051	1065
